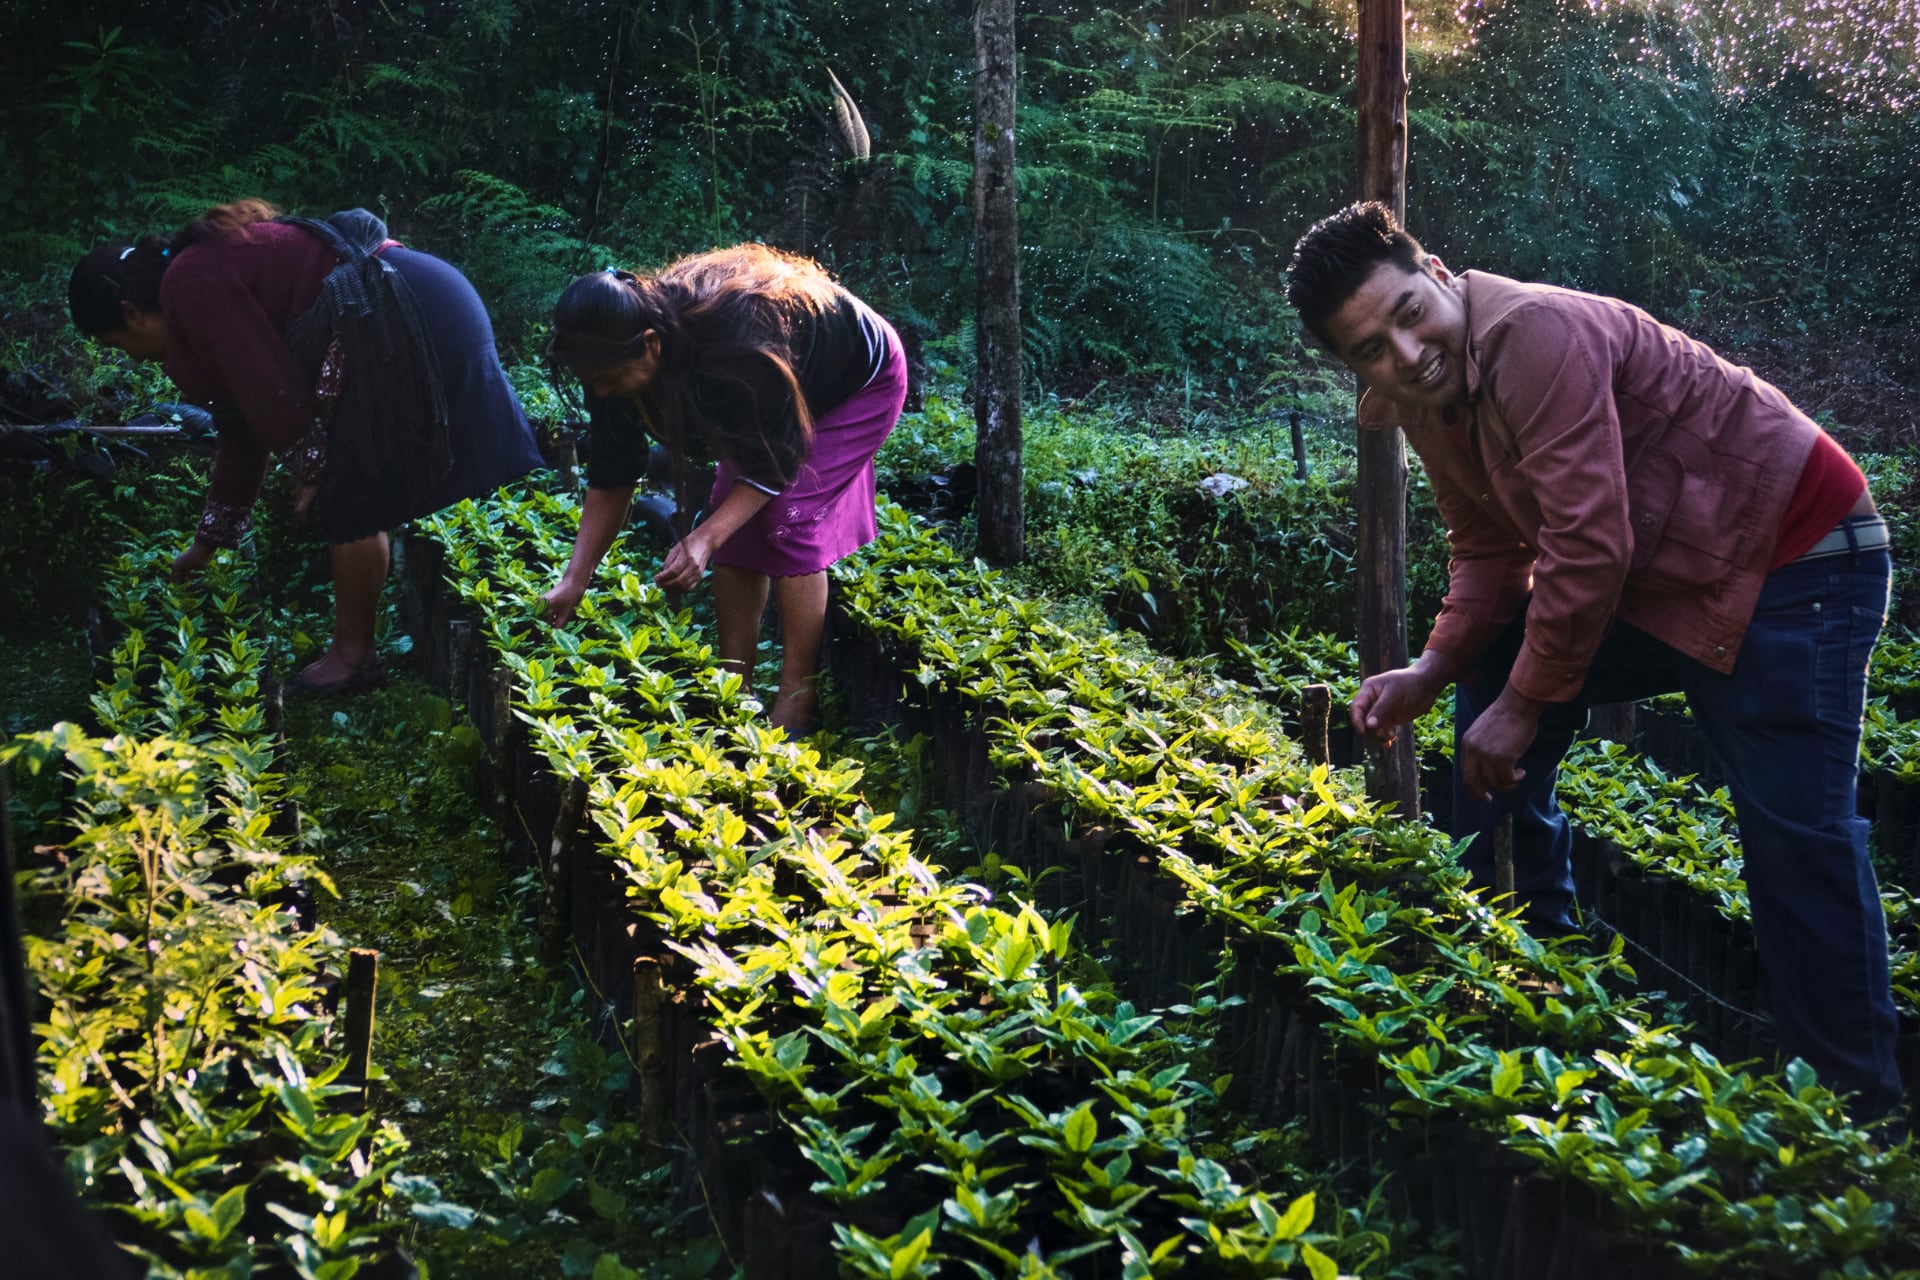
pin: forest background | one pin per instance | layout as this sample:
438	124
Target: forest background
1747	168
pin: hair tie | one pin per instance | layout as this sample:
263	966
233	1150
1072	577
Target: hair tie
123	253
167	252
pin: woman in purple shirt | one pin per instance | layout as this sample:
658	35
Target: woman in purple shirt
757	359
368	368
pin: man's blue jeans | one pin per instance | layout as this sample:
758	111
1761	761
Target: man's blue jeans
1785	729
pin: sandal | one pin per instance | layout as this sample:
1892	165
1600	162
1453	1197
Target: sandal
360	679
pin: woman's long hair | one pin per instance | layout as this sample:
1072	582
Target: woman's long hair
726	320
115	273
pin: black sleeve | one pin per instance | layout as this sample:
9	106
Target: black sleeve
617	444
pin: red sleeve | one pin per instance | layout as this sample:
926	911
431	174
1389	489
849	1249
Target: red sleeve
222	345
1555	389
1488	572
1489	568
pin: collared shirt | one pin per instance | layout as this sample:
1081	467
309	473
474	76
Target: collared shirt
1612	465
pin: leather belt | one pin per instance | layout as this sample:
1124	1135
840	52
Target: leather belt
1855	533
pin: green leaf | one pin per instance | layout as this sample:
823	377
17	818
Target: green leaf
1319	1265
445	1214
1507	1079
609	1267
1298	1217
229	1209
550	1184
908	1257
610	1205
1082	1129
201	1225
299	1107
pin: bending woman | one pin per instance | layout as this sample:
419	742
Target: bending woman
367	367
758	359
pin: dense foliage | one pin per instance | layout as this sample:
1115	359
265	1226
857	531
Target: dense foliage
1723	157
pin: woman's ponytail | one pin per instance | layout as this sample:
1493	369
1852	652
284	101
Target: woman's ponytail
116	274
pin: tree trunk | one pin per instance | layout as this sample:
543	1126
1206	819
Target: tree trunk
1382	490
996	396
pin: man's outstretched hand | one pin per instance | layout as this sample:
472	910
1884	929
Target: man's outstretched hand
1394	698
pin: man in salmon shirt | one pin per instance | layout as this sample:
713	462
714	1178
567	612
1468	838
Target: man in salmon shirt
1629	515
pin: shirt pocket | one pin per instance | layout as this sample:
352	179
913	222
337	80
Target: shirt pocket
1681	518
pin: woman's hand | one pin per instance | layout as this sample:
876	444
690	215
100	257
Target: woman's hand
686	563
191	561
557	606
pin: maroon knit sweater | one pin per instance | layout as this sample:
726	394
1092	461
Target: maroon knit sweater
228	302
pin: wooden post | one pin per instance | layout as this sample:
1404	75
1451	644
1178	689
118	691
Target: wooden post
566	460
1381	488
363	977
649	1050
1299	445
1503	862
460	646
1316	709
1613	721
996	393
557	913
500	750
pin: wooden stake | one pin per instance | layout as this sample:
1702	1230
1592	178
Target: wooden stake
558	916
363	976
1612	721
1503	861
460	645
649	1051
566	460
500	750
99	647
273	707
1316	710
1299	445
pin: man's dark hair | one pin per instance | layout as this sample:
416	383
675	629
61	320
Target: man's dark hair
1336	256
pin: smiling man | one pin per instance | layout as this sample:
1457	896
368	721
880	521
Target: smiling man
1628	515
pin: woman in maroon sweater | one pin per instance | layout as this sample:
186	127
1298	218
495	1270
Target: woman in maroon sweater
367	368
